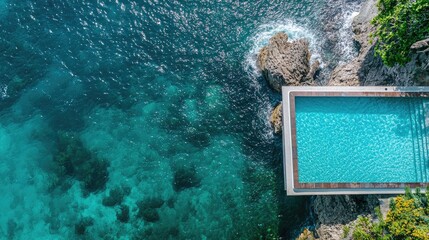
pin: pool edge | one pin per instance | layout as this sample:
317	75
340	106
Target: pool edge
289	168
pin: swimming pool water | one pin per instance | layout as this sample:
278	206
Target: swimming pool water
362	139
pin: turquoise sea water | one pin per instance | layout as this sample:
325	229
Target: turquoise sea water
362	139
143	119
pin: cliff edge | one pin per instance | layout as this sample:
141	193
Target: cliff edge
367	69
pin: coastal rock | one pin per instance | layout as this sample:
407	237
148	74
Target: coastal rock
344	75
362	27
285	63
348	74
276	119
333	212
306	235
335	18
421	46
367	69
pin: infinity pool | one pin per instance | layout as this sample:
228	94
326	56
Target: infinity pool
362	139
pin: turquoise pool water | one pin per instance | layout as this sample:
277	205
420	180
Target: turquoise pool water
362	139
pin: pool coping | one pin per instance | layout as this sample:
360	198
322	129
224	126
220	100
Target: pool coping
290	158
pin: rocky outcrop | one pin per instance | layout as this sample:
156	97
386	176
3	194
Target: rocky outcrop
368	69
306	235
333	212
276	119
421	46
286	63
335	23
348	74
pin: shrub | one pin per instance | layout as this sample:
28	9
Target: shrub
346	231
399	24
407	218
366	229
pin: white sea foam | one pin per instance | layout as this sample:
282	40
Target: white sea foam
346	43
3	92
264	113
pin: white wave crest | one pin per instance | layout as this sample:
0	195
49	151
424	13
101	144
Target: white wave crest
264	113
346	43
3	92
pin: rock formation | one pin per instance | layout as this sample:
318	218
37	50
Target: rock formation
286	63
421	60
347	75
421	46
333	212
334	23
368	69
276	119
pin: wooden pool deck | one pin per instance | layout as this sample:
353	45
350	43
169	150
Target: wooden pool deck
290	157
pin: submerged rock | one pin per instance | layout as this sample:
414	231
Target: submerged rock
276	119
81	226
286	63
149	215
73	159
94	175
148	209
198	138
123	213
185	178
115	197
12	226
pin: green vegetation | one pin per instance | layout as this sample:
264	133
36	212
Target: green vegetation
407	218
400	23
366	229
346	231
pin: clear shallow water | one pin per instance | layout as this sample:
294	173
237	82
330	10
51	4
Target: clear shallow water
143	120
362	139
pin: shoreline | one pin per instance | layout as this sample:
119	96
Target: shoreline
332	213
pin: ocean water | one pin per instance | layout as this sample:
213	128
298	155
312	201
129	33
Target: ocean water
143	119
362	139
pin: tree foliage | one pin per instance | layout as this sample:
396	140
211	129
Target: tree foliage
407	218
399	24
